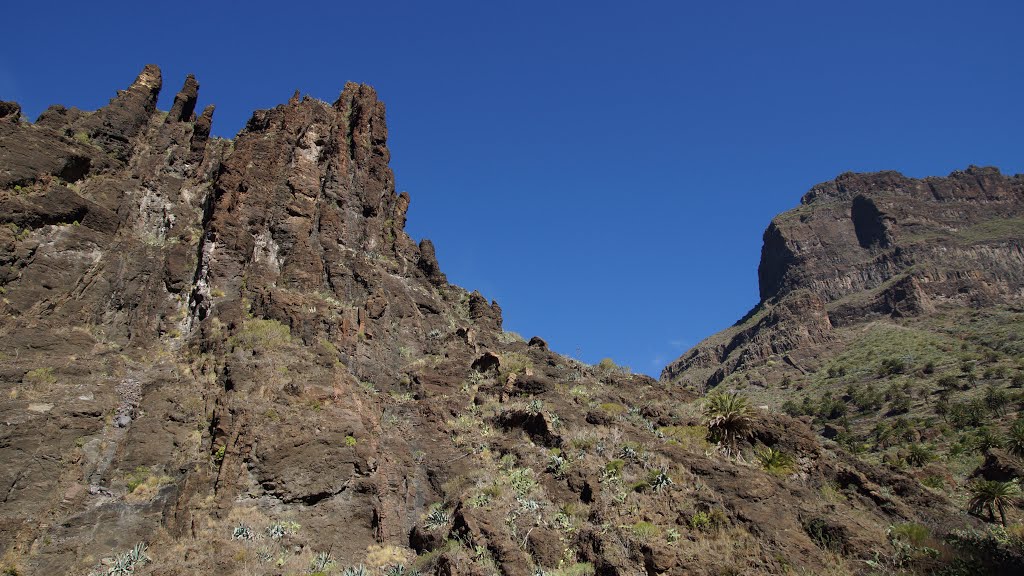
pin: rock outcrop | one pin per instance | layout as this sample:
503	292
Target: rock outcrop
866	246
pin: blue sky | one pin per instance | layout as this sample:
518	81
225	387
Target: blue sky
604	170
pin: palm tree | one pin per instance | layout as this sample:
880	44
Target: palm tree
1015	439
993	495
728	418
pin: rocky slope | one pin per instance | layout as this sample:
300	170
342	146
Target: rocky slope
232	352
891	321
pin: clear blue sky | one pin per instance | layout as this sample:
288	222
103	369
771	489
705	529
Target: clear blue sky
604	170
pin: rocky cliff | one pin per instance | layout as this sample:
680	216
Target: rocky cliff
227	356
869	246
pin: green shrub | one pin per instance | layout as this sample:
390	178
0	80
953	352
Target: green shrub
686	436
1018	380
911	533
920	454
521	481
613	469
824	535
791	408
577	569
645	531
1015	438
612	408
773	460
259	334
43	376
866	398
986	439
830	408
900	404
891	366
514	363
965	414
996	400
700	520
137	477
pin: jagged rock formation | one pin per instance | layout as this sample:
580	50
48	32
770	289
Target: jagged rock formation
205	341
866	246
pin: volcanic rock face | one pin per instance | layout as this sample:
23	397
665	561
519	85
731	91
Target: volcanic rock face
872	245
129	234
208	343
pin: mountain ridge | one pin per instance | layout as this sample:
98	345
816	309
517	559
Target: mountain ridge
909	242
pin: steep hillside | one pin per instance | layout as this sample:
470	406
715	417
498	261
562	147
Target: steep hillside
892	321
228	357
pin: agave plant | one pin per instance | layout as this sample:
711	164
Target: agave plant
993	495
358	570
276	531
728	419
527	505
629	453
659	480
321	562
437	518
556	465
399	570
243	532
279	530
124	564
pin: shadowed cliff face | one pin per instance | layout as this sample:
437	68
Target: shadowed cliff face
232	351
866	246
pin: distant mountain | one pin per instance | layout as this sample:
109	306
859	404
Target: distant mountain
870	246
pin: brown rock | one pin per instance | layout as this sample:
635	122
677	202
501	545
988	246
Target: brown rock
999	465
184	102
10	111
